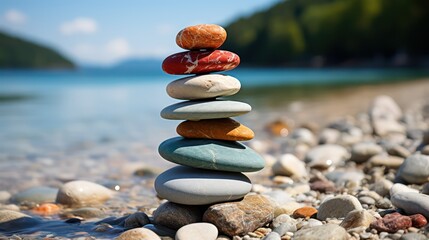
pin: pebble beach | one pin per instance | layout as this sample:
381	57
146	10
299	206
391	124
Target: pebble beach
350	164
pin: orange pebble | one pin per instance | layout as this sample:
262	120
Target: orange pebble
46	209
304	212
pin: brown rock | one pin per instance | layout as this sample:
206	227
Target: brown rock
220	129
418	220
203	36
304	212
138	234
175	216
238	218
391	223
357	218
323	186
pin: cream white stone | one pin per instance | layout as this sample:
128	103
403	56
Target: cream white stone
203	86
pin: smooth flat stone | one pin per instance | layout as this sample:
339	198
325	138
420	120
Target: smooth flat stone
415	169
202	36
197	110
197	62
37	195
193	186
138	234
338	207
328	231
411	202
203	86
219	129
83	193
197	231
211	154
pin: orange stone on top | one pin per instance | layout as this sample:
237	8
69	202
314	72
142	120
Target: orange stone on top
203	36
219	129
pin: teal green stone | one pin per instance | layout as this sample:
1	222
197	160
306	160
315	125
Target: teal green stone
211	154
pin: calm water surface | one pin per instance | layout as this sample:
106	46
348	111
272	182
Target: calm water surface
43	111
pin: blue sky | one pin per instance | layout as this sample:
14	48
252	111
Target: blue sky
106	31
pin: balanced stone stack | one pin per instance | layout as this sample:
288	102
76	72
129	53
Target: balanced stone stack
210	158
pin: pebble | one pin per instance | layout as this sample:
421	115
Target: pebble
199	62
136	220
211	154
220	129
401	188
418	220
411	202
382	187
398	150
291	166
175	216
357	218
413	236
197	231
325	156
323	186
205	109
415	169
237	218
363	151
287	208
367	200
303	135
272	236
284	219
383	203
83	193
391	223
46	209
337	207
327	231
202	36
304	212
86	213
345	177
193	186
385	113
138	234
386	161
329	136
35	195
12	220
203	86
283	228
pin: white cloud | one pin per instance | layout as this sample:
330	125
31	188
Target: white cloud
118	48
79	25
15	17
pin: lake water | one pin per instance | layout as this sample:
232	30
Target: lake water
60	111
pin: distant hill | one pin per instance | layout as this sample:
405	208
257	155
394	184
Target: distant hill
334	32
19	53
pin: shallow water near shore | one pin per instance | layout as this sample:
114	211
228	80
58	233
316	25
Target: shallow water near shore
105	126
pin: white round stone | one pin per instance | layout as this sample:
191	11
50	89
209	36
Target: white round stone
203	86
197	231
81	193
291	166
197	110
327	155
192	186
338	207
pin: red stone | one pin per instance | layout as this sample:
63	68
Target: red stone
197	62
418	220
391	223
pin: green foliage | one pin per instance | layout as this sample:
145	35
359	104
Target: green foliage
19	53
336	31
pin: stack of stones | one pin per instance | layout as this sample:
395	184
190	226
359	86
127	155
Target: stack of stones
210	158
